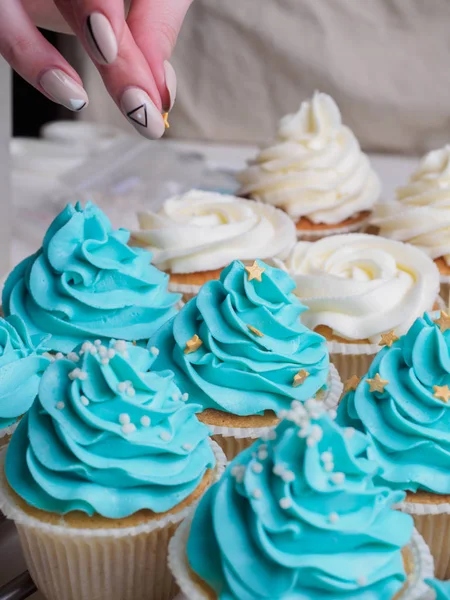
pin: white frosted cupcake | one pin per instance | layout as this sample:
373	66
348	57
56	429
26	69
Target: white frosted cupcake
362	292
100	472
195	235
421	214
315	171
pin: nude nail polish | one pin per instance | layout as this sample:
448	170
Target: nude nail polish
101	38
64	90
171	83
142	113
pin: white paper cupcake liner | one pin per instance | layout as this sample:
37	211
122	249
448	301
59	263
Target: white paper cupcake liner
234	440
445	290
187	290
106	564
309	235
433	522
415	589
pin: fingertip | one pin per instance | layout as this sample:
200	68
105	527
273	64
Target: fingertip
171	85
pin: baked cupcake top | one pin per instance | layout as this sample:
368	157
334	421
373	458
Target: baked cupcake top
85	282
106	436
239	346
299	516
402	405
203	231
421	215
314	168
360	286
21	368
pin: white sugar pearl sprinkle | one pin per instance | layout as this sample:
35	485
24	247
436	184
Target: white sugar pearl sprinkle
73	356
84	400
124	418
257	493
278	470
288	476
338	478
176	396
328	466
187	447
120	346
262	454
103	351
165	436
93	350
327	456
98	342
86	346
362	581
60	405
257	467
131	392
128	428
74	374
333	517
145	421
82	375
154	350
285	503
122	386
105	361
185	397
349	432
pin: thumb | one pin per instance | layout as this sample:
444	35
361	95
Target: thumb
155	25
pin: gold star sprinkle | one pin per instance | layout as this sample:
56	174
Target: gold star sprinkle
387	339
377	384
193	344
352	383
441	392
443	321
165	117
255	331
255	272
300	377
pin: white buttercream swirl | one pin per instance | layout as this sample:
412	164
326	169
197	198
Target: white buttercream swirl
421	214
201	231
363	285
315	168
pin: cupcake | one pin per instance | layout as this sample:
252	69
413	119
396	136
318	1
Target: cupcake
421	215
441	589
239	350
300	517
194	236
402	404
362	292
316	172
100	472
22	362
86	283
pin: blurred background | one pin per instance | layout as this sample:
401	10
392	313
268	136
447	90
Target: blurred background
241	65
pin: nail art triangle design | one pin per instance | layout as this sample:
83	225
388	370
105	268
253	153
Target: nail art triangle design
139	115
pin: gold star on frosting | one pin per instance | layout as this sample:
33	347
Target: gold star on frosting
165	117
387	339
193	344
300	377
441	392
255	331
352	383
255	272
377	384
443	321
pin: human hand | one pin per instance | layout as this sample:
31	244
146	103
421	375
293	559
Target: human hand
132	53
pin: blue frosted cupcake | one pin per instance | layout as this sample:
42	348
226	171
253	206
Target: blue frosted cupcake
22	362
103	467
86	283
403	406
240	350
300	517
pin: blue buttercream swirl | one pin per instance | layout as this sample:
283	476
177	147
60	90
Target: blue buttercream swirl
21	366
107	436
442	588
85	282
237	370
408	425
299	517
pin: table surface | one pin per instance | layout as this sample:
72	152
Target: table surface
393	171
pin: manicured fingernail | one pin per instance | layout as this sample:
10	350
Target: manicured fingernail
142	113
101	39
64	90
171	83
